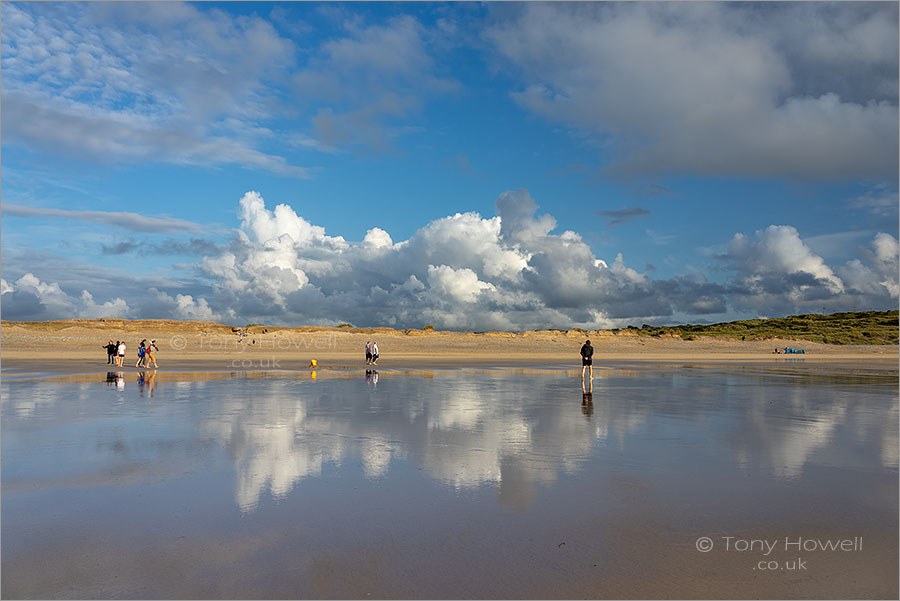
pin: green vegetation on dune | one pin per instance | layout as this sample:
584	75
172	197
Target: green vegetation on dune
865	327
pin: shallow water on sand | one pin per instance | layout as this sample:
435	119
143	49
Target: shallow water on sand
452	483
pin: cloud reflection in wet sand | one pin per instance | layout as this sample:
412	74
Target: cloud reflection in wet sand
468	429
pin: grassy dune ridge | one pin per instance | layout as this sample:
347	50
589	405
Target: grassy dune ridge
864	327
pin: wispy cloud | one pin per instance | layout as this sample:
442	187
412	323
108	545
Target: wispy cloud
373	76
463	165
660	239
653	189
129	221
194	247
880	201
133	83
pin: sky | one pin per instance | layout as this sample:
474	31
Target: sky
470	166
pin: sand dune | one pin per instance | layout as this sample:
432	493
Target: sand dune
74	346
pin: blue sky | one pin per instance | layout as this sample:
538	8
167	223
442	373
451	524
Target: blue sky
611	163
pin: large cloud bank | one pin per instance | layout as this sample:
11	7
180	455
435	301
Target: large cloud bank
464	271
783	89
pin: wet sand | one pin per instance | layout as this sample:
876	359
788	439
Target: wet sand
464	466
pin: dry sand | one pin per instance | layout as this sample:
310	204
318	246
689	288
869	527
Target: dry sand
75	346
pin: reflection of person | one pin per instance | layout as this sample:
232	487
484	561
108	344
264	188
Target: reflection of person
110	378
587	354
150	379
587	409
587	395
587	398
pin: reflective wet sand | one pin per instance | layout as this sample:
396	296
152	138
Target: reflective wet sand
453	483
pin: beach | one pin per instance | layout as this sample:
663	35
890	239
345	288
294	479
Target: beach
75	346
673	479
462	465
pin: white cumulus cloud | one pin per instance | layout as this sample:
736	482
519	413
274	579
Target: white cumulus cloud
508	271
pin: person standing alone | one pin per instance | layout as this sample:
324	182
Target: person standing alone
587	354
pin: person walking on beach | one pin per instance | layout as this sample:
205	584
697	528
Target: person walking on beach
120	350
151	358
374	353
110	352
368	352
142	349
587	354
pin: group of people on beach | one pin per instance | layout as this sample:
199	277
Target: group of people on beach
371	353
115	353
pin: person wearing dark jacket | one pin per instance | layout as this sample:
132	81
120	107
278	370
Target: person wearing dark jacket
110	351
587	354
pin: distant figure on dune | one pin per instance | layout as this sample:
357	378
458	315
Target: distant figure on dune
110	352
368	352
374	353
587	354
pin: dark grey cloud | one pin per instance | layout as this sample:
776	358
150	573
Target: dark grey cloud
623	215
21	305
119	248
